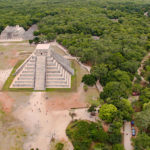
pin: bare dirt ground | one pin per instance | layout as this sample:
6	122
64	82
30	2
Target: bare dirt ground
4	74
127	136
68	101
13	43
42	125
6	102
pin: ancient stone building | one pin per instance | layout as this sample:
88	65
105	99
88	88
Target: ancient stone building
17	33
43	69
12	33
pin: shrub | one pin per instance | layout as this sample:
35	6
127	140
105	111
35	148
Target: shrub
114	133
118	147
142	141
85	88
92	108
83	133
107	112
100	146
89	79
59	146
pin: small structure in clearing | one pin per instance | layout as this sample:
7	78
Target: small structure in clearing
43	69
95	37
146	14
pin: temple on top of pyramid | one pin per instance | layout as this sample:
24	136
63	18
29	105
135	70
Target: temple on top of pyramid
44	68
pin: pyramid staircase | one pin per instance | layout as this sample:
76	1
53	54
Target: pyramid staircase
40	73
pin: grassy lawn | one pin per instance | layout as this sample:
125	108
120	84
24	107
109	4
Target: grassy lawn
92	96
58	50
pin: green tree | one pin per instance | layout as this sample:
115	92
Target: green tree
114	90
146	106
137	88
145	95
100	146
118	147
142	142
130	66
120	76
83	133
124	107
89	79
107	112
100	72
143	119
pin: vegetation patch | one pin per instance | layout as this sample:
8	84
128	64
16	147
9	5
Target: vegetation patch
59	146
83	133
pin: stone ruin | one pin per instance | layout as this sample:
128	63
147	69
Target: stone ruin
17	33
43	69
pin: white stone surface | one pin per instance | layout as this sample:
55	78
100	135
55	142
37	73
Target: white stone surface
43	46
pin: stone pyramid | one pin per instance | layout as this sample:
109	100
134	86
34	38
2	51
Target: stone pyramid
43	69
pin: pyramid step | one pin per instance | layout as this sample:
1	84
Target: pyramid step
54	71
32	60
57	86
50	65
30	64
51	82
49	60
49	79
29	68
24	81
27	71
23	85
49	70
22	78
54	75
25	75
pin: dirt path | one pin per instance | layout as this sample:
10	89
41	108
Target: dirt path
142	66
127	136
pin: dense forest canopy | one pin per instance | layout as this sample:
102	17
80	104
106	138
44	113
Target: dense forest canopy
111	35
